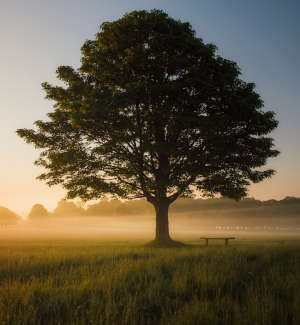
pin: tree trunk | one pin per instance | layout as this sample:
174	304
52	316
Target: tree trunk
162	222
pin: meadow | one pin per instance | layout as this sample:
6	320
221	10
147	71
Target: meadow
125	282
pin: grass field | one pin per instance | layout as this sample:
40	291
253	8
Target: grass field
94	282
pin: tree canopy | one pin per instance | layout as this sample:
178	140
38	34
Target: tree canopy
153	112
8	217
66	208
38	212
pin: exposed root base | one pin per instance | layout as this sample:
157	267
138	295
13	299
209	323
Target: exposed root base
165	243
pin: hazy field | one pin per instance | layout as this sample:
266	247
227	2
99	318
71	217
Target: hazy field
66	281
182	225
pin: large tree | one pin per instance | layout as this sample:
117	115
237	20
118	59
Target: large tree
153	112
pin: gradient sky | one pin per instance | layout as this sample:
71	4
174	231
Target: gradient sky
37	36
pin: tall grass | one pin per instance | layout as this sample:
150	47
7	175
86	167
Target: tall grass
92	283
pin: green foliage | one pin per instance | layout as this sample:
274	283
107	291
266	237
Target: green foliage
91	283
152	112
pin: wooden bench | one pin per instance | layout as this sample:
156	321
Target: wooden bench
217	238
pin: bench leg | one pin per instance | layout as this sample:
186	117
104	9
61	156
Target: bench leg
206	241
226	242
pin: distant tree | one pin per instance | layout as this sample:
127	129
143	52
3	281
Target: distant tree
290	200
38	213
186	204
135	207
153	112
7	217
68	209
103	208
117	207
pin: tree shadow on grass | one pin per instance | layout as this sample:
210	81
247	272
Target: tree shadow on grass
167	244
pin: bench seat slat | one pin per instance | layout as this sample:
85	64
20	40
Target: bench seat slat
217	238
226	239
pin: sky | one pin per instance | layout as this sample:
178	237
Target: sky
37	36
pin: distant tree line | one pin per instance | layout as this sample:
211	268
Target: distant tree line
247	207
289	204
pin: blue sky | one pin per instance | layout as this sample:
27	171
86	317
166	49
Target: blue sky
38	36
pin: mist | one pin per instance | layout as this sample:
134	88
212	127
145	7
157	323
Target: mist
126	227
126	220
